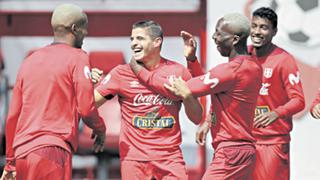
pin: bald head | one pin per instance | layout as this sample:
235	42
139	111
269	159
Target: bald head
238	24
66	15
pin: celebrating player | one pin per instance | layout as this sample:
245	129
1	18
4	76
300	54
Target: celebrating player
280	97
233	87
150	133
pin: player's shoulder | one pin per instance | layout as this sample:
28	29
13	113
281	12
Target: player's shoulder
282	54
172	63
122	69
283	58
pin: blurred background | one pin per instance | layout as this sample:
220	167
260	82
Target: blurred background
25	26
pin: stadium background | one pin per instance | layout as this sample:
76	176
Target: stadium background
298	33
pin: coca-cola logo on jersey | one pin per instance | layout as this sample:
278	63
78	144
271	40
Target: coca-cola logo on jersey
140	99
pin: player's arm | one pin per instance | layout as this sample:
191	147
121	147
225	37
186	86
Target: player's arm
315	107
218	79
192	106
189	51
152	80
11	123
291	78
86	107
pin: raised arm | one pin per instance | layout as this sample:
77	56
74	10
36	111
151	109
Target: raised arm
189	51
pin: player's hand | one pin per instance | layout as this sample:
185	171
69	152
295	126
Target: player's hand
316	111
201	134
179	88
135	65
265	119
190	46
96	75
98	145
8	175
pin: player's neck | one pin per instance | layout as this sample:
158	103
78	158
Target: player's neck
64	39
238	51
152	63
264	50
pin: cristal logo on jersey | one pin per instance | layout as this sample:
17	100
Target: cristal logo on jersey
261	110
106	79
87	73
206	80
153	122
151	99
294	79
267	73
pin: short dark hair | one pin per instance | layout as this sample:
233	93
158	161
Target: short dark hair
267	13
155	28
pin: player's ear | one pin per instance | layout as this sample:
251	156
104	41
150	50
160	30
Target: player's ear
275	30
157	42
236	39
74	29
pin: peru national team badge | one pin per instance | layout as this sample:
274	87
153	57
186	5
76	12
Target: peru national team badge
267	73
87	72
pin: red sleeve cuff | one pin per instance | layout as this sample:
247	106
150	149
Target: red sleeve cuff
10	165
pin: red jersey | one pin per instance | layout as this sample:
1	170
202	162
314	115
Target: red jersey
233	89
150	128
280	91
52	89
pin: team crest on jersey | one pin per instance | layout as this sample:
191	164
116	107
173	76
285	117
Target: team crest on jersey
153	121
261	110
106	79
171	78
267	73
87	73
294	79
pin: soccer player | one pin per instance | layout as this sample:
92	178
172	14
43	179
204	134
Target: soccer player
280	97
150	133
234	89
315	107
52	89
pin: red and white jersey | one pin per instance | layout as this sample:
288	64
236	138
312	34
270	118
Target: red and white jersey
233	87
280	91
52	89
150	128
